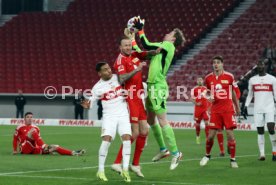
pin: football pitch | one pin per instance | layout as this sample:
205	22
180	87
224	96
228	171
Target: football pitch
72	170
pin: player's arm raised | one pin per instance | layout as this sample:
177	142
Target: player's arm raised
138	24
131	36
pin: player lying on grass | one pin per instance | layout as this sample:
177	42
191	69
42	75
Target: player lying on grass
27	140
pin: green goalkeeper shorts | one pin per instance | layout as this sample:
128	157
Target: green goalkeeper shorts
157	97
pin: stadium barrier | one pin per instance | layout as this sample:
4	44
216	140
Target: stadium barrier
97	123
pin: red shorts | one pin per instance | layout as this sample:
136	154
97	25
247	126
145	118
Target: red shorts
137	110
201	115
28	148
221	120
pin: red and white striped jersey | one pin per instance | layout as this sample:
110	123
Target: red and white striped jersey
263	89
112	95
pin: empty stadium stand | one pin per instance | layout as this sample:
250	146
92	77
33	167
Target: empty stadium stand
241	45
61	48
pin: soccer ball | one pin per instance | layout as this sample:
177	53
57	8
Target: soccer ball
130	24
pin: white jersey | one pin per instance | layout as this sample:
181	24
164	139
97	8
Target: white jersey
111	94
263	88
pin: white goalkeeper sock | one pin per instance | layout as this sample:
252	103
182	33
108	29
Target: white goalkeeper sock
261	143
126	154
273	142
102	154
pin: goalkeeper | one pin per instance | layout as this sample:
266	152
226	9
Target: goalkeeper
158	90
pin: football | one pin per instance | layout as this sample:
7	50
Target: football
130	24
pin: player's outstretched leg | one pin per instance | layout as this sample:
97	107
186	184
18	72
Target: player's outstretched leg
170	138
79	152
64	151
164	152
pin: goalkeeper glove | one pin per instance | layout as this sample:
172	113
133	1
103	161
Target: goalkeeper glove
138	23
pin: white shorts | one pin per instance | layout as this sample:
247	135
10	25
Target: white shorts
111	124
260	119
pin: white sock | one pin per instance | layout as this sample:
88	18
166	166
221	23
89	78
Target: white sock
102	154
126	154
273	142
261	143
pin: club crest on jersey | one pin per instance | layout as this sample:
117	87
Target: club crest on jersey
135	60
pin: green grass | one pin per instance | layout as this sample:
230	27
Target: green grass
40	169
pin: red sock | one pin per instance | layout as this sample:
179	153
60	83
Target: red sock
140	144
63	151
119	157
220	142
232	148
197	126
36	137
206	131
209	145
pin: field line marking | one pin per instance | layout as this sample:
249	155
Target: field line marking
88	179
93	167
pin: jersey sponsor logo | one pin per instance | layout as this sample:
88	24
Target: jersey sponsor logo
262	87
224	81
112	94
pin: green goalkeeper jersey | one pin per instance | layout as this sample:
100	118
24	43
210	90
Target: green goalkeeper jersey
160	63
